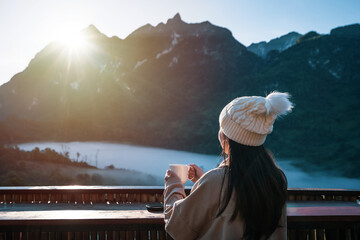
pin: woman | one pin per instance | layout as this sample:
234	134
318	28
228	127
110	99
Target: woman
244	198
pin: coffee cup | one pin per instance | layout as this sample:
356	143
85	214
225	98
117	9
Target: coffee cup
181	170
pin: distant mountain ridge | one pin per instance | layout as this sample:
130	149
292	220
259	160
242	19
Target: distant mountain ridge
165	86
278	44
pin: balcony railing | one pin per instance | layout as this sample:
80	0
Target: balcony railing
98	212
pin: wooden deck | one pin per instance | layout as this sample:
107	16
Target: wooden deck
119	213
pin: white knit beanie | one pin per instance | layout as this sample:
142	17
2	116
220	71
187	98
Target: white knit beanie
248	120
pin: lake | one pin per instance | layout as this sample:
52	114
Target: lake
155	161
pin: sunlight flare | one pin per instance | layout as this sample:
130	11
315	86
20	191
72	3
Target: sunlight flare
73	41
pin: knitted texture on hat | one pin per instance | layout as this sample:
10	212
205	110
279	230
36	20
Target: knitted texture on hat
248	120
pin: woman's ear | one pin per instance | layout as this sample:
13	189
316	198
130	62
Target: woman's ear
226	146
224	142
220	138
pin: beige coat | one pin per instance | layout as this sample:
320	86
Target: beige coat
194	216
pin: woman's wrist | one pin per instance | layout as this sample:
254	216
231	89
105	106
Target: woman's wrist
171	178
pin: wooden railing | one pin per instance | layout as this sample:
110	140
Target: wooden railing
102	194
123	227
81	194
315	194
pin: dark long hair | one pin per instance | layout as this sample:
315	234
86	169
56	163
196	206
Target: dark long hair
260	188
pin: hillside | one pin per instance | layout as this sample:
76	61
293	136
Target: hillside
322	74
165	86
47	167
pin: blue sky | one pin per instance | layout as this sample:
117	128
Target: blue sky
27	26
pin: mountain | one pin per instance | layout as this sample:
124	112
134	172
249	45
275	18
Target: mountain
322	74
164	80
278	44
165	86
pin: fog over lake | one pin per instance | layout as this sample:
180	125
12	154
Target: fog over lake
155	161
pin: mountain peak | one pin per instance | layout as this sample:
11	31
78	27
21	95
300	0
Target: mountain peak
91	28
175	19
92	32
352	30
280	44
308	36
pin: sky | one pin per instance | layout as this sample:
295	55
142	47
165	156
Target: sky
27	26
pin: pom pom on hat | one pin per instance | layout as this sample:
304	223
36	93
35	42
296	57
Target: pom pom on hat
278	103
248	120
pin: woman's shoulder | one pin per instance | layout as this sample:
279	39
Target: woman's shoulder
216	172
213	176
211	180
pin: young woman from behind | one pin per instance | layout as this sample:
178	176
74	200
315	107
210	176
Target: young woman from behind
243	198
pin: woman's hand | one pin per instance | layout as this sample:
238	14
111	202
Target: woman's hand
194	173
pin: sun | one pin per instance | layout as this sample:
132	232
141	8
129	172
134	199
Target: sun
73	41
